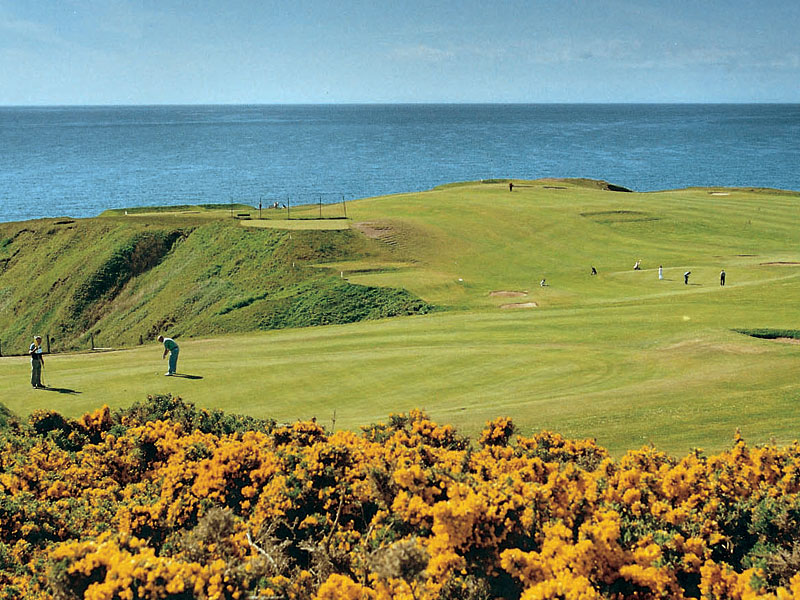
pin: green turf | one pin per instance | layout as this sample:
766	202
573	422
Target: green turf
622	356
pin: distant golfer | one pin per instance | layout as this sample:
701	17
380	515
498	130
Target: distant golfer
171	347
660	272
510	186
686	277
37	360
637	266
594	271
722	277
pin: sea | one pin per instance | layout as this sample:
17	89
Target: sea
79	161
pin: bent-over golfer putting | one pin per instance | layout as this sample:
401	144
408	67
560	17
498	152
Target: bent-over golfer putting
171	347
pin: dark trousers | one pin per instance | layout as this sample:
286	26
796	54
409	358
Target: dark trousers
36	373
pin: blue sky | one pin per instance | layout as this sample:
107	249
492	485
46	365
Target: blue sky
316	51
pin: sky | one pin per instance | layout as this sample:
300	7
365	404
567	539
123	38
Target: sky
78	52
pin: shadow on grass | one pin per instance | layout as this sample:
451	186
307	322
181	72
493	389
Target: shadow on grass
59	390
186	376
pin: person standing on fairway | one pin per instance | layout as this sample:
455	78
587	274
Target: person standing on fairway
686	277
37	361
660	272
722	277
171	347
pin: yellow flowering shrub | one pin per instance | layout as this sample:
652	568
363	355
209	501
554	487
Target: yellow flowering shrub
164	500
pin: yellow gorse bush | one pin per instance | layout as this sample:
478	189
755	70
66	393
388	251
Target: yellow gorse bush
166	501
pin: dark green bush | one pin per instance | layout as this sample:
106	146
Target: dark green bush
173	408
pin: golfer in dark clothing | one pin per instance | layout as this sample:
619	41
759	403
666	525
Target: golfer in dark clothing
686	277
722	277
37	361
171	347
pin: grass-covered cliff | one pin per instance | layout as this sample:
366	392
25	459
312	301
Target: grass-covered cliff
122	280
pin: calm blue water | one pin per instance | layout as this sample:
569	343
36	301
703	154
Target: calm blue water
67	161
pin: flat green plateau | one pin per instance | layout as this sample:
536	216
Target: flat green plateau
622	356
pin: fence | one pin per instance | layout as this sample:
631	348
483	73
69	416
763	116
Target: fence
310	205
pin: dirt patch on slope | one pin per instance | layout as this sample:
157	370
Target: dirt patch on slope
520	305
507	294
394	236
374	230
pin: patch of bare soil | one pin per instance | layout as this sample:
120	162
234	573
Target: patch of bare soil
390	235
372	230
407	242
507	294
520	305
781	263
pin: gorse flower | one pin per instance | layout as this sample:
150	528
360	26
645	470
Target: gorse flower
165	502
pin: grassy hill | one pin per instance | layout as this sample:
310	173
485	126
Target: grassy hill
120	280
621	356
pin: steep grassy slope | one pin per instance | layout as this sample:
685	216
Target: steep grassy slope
56	275
124	280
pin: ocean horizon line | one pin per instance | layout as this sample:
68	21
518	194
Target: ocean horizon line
366	103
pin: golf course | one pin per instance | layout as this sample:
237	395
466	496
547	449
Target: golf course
459	326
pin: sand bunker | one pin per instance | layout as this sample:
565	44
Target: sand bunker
720	193
786	340
520	305
781	263
507	294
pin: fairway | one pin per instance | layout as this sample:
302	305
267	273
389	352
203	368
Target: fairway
621	356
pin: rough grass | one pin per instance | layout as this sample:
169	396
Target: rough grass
180	276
